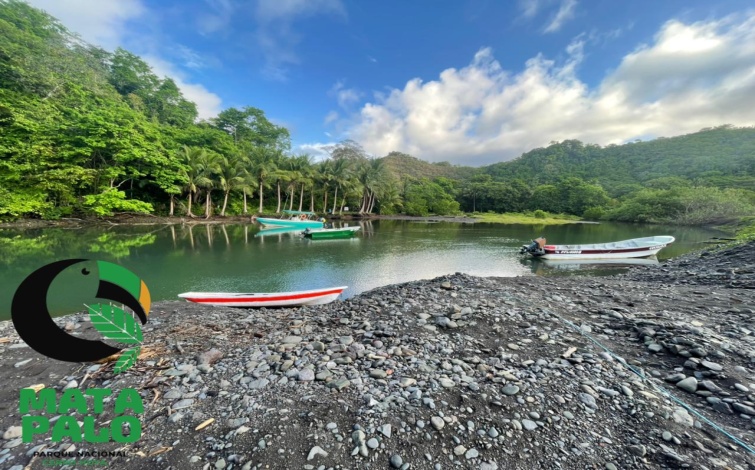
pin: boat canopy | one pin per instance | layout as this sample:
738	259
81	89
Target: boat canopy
298	212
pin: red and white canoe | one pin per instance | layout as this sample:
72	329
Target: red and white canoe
269	299
634	248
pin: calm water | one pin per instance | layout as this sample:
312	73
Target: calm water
238	258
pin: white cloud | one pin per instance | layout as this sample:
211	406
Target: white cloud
222	12
565	13
692	76
208	103
318	150
104	23
529	7
96	21
331	117
286	10
276	36
344	96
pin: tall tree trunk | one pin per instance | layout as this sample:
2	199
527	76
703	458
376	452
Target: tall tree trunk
291	202
172	205
343	203
225	203
277	211
261	184
335	201
188	209
301	197
208	206
244	191
372	204
312	200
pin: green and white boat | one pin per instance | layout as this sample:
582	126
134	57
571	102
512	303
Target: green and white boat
330	233
293	219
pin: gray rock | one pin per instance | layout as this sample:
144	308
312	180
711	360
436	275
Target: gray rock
688	385
396	461
315	451
588	400
12	433
529	425
510	389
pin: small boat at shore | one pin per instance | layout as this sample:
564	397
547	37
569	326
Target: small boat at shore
633	248
269	299
330	233
293	219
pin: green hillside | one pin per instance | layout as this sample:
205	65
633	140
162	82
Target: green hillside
400	164
723	157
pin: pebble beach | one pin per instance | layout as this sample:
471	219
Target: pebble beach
654	368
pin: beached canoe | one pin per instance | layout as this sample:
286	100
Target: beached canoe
268	299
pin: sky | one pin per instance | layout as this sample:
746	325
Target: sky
470	82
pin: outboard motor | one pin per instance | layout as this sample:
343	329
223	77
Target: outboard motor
535	248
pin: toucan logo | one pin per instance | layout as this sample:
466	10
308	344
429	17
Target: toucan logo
32	320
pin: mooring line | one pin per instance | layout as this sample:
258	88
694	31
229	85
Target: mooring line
655	386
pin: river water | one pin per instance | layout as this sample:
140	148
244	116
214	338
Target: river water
172	259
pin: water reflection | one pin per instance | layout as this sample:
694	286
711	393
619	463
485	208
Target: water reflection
548	267
240	257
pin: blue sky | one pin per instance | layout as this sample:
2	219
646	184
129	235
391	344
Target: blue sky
471	82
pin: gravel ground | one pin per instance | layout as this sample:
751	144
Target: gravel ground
654	368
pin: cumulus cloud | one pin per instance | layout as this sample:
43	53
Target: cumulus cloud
96	21
691	76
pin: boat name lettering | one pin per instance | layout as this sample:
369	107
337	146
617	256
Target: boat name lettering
570	252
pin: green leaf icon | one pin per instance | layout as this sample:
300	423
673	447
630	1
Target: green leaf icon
126	359
115	324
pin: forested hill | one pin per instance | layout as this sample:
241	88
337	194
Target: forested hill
401	164
722	156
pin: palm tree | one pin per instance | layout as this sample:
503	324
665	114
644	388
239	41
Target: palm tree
209	169
340	174
324	174
372	175
305	172
193	159
230	176
263	166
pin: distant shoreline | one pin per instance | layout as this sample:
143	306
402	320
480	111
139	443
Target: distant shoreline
140	219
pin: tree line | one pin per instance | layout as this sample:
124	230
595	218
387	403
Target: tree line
84	131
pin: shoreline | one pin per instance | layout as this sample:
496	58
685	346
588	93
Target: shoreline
459	371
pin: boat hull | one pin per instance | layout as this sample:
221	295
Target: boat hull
625	249
258	300
329	234
289	223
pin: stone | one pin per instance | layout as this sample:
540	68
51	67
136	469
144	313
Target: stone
688	385
315	451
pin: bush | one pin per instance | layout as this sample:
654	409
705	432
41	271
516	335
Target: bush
594	213
539	214
111	200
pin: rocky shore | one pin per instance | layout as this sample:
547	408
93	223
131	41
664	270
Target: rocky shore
651	369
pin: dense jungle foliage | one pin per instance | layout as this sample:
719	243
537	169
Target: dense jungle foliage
87	132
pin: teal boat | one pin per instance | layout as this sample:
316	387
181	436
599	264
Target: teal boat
293	219
292	231
330	233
